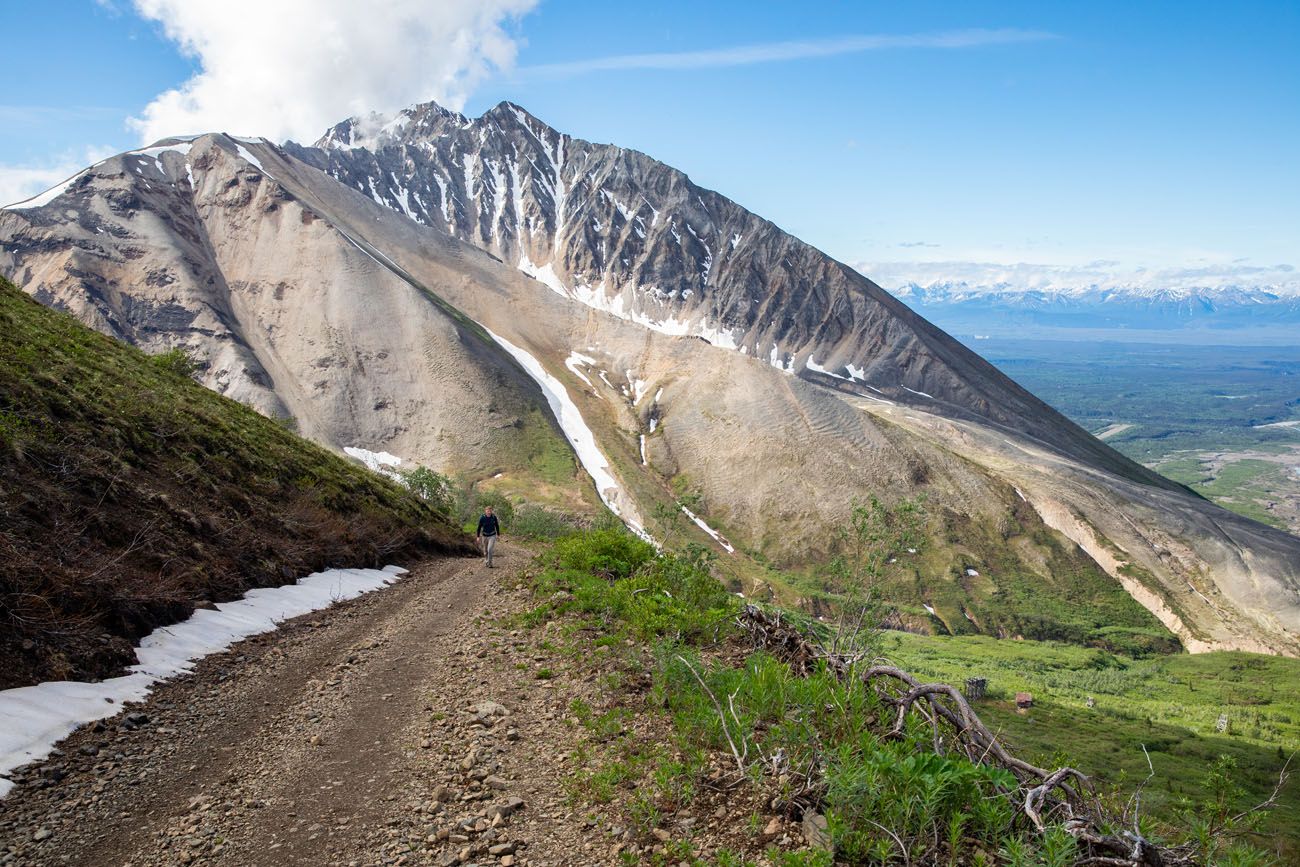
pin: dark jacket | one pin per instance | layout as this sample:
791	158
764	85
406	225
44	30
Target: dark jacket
488	525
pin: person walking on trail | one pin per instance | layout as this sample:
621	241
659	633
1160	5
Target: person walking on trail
488	530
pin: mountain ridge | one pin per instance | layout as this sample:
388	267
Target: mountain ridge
297	277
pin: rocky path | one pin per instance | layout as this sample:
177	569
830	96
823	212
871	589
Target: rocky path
414	725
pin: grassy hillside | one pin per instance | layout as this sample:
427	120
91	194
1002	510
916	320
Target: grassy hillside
1170	705
129	495
725	734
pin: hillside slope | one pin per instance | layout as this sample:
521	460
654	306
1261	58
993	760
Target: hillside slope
129	495
308	293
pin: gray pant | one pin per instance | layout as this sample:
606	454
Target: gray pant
489	545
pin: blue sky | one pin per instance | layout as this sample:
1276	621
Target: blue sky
1157	135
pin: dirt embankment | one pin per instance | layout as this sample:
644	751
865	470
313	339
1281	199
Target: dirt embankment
129	495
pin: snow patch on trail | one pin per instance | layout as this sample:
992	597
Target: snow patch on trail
34	718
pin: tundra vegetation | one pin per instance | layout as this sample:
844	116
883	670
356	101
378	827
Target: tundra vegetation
821	720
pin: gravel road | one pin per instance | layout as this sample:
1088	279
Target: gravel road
413	725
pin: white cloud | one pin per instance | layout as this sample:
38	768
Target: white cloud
20	182
745	55
291	68
1101	273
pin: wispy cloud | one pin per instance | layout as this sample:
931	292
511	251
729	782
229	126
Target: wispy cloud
32	115
772	52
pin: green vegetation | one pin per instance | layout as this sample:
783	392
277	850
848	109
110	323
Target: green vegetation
1169	704
976	579
129	494
806	735
1244	485
1184	406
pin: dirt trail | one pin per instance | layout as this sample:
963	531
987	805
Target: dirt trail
409	726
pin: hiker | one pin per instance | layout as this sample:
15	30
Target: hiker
488	530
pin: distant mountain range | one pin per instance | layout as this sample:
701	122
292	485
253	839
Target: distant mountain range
962	307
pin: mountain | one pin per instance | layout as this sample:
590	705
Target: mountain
506	303
129	495
1003	309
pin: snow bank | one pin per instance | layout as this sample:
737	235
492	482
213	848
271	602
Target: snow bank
373	460
250	159
34	718
575	359
598	298
379	462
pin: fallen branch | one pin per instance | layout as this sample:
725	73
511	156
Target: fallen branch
1064	796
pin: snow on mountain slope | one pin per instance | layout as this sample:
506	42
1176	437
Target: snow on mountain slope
630	236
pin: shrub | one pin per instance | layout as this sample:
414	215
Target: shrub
434	488
176	361
539	522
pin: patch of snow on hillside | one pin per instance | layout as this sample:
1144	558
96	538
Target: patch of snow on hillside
775	360
812	364
931	610
639	387
251	160
34	718
597	297
43	199
699	522
643	460
973	573
572	362
379	462
373	460
575	429
183	149
914	391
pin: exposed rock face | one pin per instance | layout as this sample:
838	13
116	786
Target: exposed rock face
193	245
626	234
379	288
